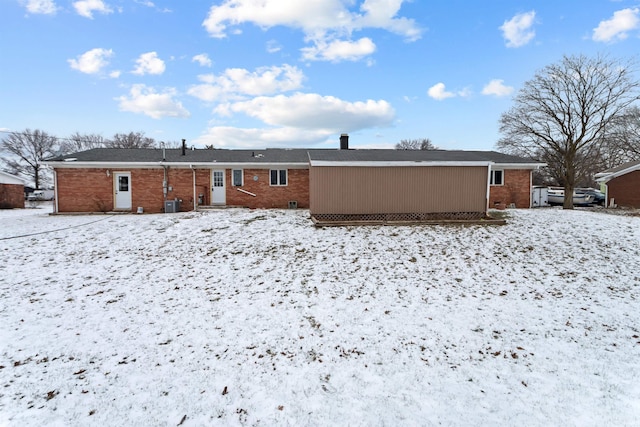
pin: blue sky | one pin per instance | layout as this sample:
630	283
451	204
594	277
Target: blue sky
288	73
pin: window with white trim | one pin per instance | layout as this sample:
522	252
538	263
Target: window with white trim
497	177
278	177
237	177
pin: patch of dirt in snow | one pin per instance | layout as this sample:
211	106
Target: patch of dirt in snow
255	317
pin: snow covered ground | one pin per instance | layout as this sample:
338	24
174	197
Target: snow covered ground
255	317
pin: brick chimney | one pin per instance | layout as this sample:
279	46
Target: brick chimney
344	141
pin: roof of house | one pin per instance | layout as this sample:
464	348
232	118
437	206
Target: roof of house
623	169
7	178
302	156
173	155
415	155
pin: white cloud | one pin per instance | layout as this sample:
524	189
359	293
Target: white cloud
87	7
382	14
273	46
325	24
149	63
313	111
145	100
231	137
618	26
439	92
115	74
202	59
238	82
518	30
44	7
338	50
496	87
92	61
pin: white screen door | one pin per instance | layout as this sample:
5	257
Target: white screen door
218	191
122	183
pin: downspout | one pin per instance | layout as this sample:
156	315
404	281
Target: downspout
530	189
55	191
195	201
165	183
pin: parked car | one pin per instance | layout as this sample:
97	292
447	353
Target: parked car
37	195
555	196
598	196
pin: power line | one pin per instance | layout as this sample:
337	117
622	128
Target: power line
52	231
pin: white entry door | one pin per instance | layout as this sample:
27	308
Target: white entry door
218	190
122	183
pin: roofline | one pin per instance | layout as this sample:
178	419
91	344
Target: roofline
414	163
519	165
61	164
394	163
606	177
15	177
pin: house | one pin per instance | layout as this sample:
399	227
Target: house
108	179
111	179
622	185
11	191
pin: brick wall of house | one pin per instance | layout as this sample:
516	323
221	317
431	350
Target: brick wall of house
84	190
516	189
92	190
268	196
146	189
11	196
625	190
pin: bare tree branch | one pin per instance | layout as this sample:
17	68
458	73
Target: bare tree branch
131	140
416	144
25	150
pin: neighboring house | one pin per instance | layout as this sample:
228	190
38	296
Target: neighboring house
11	191
622	185
108	179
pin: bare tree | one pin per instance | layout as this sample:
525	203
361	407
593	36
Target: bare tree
171	144
416	144
131	140
624	136
563	113
81	142
25	150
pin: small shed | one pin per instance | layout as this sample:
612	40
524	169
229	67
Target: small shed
622	185
11	191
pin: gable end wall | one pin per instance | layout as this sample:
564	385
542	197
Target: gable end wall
625	189
11	196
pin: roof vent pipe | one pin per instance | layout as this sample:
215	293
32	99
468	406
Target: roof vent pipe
344	141
184	146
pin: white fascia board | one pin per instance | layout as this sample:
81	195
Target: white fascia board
395	163
7	178
184	165
518	165
256	165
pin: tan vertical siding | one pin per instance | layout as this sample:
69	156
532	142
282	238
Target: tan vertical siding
415	189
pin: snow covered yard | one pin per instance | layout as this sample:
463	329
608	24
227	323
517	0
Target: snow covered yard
238	317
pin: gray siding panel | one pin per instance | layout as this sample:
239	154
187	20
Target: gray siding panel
415	189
